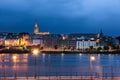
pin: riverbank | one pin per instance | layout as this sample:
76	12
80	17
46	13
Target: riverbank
85	52
60	78
61	51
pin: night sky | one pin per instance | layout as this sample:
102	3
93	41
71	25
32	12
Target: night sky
61	16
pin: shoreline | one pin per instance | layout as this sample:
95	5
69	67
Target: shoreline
62	78
59	52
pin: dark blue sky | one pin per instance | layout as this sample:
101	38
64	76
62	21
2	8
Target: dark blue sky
61	16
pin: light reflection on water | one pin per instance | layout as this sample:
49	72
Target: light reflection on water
61	59
26	62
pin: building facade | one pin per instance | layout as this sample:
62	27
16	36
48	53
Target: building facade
85	43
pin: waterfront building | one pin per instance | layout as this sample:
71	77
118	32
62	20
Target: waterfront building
36	40
115	41
52	40
2	41
12	42
75	36
109	40
28	42
36	30
85	43
12	39
68	44
100	41
82	41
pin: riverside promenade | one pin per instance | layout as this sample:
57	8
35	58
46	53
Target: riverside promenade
59	78
57	51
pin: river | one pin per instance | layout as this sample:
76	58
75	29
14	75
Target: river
59	65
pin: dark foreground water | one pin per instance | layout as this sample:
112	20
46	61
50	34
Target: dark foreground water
59	65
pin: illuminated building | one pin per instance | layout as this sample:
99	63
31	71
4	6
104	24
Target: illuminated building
100	40
36	40
36	30
24	38
1	41
11	42
85	43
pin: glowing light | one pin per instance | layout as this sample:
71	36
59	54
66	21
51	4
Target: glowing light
14	57
98	41
64	37
92	58
43	54
62	54
80	54
35	51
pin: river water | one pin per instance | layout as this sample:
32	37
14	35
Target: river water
59	65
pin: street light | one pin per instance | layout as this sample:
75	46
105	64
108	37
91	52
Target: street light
35	52
14	58
92	58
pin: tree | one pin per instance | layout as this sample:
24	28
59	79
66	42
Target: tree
106	48
99	48
113	47
117	46
91	47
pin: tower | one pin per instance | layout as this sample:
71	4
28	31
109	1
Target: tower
100	35
99	40
36	29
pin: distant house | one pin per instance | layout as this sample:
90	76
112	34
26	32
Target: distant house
12	42
52	40
2	40
36	40
115	41
85	42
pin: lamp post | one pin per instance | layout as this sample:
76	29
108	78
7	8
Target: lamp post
35	53
14	60
92	58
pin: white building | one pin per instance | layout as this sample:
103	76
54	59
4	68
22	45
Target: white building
37	42
85	43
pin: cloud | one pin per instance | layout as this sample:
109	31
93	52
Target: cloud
70	8
90	14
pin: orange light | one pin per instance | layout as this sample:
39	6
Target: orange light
14	57
35	51
98	40
92	58
64	37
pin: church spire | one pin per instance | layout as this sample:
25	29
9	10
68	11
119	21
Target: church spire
36	28
100	35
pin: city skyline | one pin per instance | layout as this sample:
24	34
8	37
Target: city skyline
61	16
